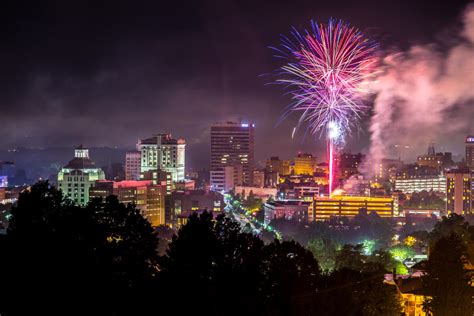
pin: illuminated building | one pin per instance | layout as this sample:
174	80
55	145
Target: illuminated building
159	177
2	194
320	178
411	293
277	165
132	165
185	185
272	178
226	178
258	178
421	213
417	184
258	192
322	167
101	189
291	210
349	206
356	185
435	160
458	192
470	152
348	164
164	153
149	198
186	202
305	164
232	144
305	190
387	169
412	171
75	179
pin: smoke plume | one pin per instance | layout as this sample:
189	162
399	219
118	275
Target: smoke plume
424	94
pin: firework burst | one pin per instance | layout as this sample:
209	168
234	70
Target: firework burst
327	71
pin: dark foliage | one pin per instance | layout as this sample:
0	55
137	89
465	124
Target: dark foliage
448	283
103	259
65	259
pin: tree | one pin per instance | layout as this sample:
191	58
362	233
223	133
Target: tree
290	275
325	251
425	200
97	258
214	261
351	257
447	283
453	223
349	292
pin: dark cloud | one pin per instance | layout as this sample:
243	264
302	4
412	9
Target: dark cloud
108	73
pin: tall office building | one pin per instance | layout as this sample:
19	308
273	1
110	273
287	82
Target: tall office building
305	164
348	164
226	178
165	153
387	169
458	192
132	165
232	145
75	179
470	152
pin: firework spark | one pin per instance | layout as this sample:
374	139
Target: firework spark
328	70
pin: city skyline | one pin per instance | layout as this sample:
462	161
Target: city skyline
241	157
65	101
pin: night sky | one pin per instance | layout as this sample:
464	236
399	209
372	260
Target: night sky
107	74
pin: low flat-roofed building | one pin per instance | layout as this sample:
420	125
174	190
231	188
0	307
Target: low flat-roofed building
289	209
185	202
261	193
418	184
349	206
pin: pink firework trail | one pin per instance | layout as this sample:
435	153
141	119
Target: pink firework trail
327	73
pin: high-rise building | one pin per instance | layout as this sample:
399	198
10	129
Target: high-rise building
149	198
226	178
470	152
75	179
132	165
458	192
348	164
159	176
165	153
387	169
435	160
259	178
232	144
305	164
280	166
